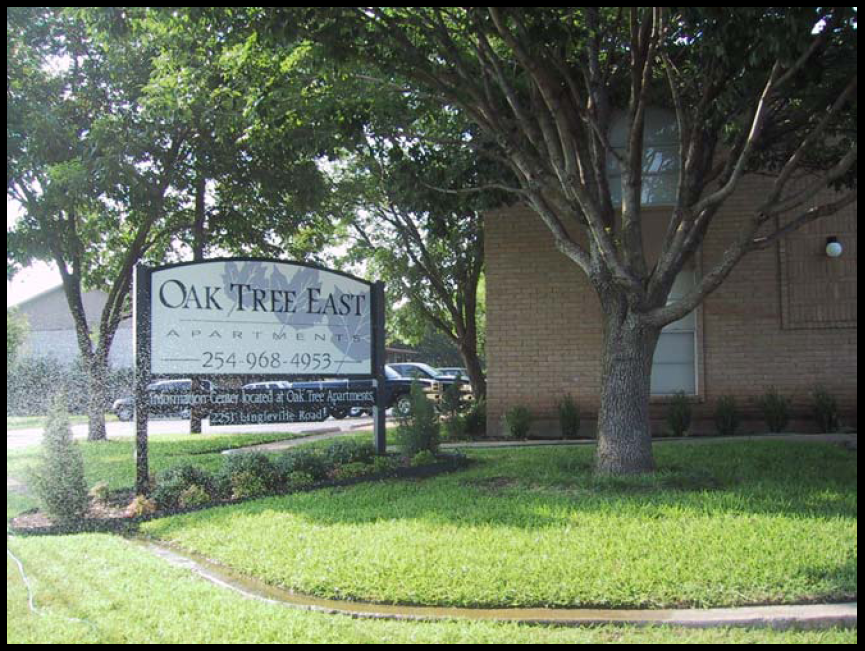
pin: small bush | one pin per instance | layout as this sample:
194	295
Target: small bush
384	465
455	428
58	479
140	506
518	420
775	409
351	471
247	485
727	416
475	420
252	463
420	429
679	414
569	417
825	410
299	480
424	458
452	400
172	484
304	461
193	497
99	493
340	453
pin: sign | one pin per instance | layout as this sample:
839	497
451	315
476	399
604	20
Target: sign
259	317
249	317
292	405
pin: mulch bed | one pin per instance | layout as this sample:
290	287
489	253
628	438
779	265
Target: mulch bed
114	517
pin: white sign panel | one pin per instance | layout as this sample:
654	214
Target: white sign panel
255	317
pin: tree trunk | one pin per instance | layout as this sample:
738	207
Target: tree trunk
469	354
98	375
624	430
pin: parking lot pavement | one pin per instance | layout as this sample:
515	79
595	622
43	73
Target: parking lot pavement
22	438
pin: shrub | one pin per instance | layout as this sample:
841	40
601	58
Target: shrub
58	479
297	480
518	420
727	416
455	427
141	506
99	493
340	453
250	474
351	471
776	410
569	417
172	484
476	420
825	410
420	429
246	484
423	458
193	497
384	465
679	414
452	400
305	461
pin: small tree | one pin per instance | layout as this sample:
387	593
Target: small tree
58	480
419	431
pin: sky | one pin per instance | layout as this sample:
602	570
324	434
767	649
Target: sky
30	282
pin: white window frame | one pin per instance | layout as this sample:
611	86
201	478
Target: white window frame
689	325
661	162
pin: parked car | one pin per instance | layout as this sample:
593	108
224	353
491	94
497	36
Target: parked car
168	398
422	372
397	392
440	381
454	371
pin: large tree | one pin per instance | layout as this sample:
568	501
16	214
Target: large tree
412	204
88	167
755	90
132	132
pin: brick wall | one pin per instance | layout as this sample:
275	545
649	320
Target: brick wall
786	317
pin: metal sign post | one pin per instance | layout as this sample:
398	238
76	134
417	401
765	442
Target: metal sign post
381	398
141	337
247	318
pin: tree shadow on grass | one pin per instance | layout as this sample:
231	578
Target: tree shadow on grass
548	489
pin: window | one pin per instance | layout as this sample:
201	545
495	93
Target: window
674	367
660	158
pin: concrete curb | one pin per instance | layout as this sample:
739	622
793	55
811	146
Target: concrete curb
819	616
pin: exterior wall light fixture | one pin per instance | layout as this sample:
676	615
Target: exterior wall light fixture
833	247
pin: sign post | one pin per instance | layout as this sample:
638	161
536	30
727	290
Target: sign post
245	318
141	338
378	414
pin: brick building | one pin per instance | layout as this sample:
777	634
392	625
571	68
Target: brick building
785	318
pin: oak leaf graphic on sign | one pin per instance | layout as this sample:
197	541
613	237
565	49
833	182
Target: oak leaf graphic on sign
350	334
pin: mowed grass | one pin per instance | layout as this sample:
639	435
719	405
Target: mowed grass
112	461
102	589
720	524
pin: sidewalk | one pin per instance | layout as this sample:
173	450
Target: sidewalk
847	440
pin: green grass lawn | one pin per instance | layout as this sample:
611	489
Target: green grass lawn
112	461
720	524
103	589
